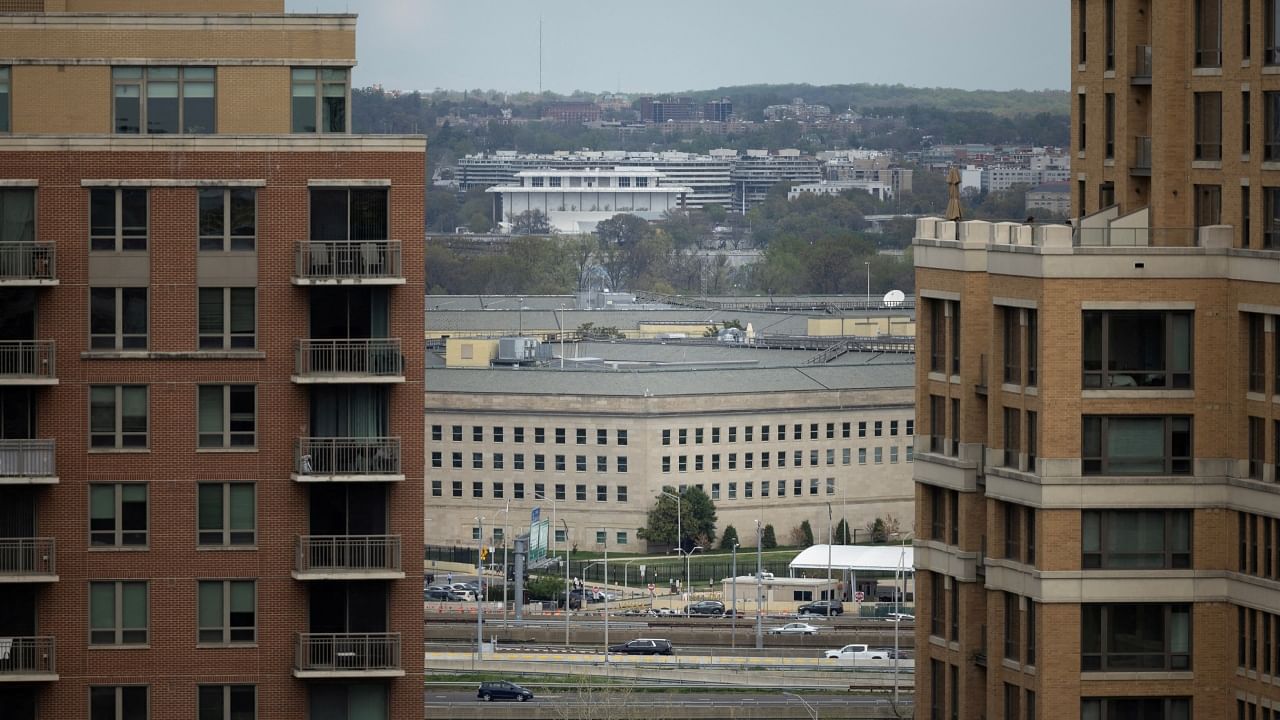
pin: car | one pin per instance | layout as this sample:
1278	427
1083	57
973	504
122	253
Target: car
822	607
899	617
900	653
437	595
462	596
794	629
855	652
706	607
643	646
661	611
502	690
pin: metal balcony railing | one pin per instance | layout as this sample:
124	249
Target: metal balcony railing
27	360
27	458
348	456
347	652
27	556
358	553
1142	64
376	357
27	656
348	260
24	261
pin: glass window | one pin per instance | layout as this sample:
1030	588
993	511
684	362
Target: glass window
622	463
580	492
1109	127
227	219
1136	349
1135	708
349	214
117	514
226	702
1135	637
1271	52
1136	539
539	435
320	100
4	99
118	318
118	416
118	613
602	463
602	493
1012	444
1012	344
228	416
621	493
1208	33
559	460
1136	445
164	100
622	437
227	612
117	219
602	437
580	463
733	491
560	436
227	318
1208	119
1255	325
118	702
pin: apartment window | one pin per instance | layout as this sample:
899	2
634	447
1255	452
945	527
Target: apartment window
666	437
437	433
1136	539
1137	349
580	436
457	488
1256	328
1271	34
1031	641
117	219
1135	637
1208	33
1246	230
560	436
580	463
937	512
1012	344
1012	531
225	702
715	461
1128	708
955	426
227	219
862	456
1082	116
4	99
118	702
539	435
1246	39
559	460
1012	693
1109	105
1208	118
620	492
517	434
580	492
1012	447
937	335
602	493
1246	122
228	416
118	613
1271	229
1257	440
698	434
320	99
226	513
118	416
163	100
227	612
1032	440
937	608
1032	359
118	318
1110	7
118	515
954	598
1136	445
621	463
733	491
1208	205
683	435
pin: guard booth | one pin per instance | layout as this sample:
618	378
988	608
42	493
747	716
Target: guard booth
878	571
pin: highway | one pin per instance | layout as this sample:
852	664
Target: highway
658	705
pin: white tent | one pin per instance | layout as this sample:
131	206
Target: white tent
879	558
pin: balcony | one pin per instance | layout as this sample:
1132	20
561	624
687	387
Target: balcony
347	459
26	264
27	362
347	655
27	462
375	360
368	262
1141	74
27	659
27	560
1141	157
348	557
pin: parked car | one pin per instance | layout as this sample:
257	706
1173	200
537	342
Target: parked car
822	607
643	646
503	690
794	629
662	611
437	595
462	595
706	607
899	617
855	652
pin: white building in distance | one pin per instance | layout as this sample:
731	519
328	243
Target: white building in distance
574	201
879	190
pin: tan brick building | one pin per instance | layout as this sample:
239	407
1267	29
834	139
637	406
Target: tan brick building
210	430
1096	504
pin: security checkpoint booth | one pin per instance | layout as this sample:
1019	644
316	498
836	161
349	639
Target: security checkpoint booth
862	573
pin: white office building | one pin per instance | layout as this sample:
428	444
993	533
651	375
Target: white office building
574	201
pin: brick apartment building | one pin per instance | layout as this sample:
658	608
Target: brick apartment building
1097	508
211	302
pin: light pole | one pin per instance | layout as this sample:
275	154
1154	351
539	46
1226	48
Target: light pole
687	590
733	622
566	583
868	264
679	526
830	595
809	708
480	594
505	510
902	580
759	587
520	318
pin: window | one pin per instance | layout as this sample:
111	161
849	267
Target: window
1128	708
1012	625
1256	327
1032	440
683	463
118	702
879	455
1246	122
456	432
602	464
733	434
1012	344
1031	636
227	512
845	429
580	463
1271	34
518	434
1012	693
1246	231
560	535
831	485
1136	445
118	613
227	612
498	461
560	436
118	416
937	619
457	488
117	219
499	490
1271	228
782	432
118	515
18	222
748	489
831	456
1083	133
1208	205
456	460
937	339
1032	331
620	537
539	435
733	460
764	488
955	612
1109	106
1012	446
1257	441
559	459
163	100
715	491
666	463
320	100
228	416
477	489
1208	119
1208	31
497	433
797	486
813	486
715	435
715	461
118	318
602	437
477	433
684	436
620	492
4	99
580	492
862	456
602	493
1012	531
1135	637
747	433
1246	39
226	702
666	437
437	488
517	491
1137	349
621	463
227	219
733	491
580	436
1082	45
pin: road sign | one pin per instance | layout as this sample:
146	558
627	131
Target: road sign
538	535
858	596
535	515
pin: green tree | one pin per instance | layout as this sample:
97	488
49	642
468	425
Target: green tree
545	587
529	222
729	538
805	534
768	538
843	536
878	530
696	518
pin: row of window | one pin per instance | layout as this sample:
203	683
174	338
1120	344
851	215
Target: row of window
1253	711
1207	38
227	417
1257	647
226	612
498	434
1256	352
797	432
602	536
226	318
499	491
797	459
1258	541
4	99
498	461
682	436
119	514
578	181
797	488
213	702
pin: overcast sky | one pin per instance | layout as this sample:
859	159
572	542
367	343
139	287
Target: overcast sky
670	45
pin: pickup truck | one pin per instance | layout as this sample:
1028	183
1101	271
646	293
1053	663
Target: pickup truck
855	652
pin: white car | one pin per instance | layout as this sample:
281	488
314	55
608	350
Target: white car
899	617
796	628
855	652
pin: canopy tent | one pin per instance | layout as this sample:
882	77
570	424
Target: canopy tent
880	558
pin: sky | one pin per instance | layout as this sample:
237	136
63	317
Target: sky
672	45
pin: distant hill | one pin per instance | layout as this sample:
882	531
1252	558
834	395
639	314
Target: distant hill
749	101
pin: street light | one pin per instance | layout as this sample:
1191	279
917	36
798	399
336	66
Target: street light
687	590
520	316
679	531
868	264
759	587
733	623
480	584
566	583
830	595
809	708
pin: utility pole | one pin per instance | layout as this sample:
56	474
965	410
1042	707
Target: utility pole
566	582
734	584
759	588
480	594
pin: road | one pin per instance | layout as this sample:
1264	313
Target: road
627	703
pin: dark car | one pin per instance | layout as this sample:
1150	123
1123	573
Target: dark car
706	607
437	595
503	690
643	646
822	607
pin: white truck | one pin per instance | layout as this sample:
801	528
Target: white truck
855	652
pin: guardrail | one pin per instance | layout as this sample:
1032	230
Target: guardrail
27	556
377	357
28	261
27	359
335	553
28	656
27	458
348	260
348	456
346	652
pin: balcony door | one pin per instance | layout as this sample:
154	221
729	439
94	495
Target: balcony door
348	313
348	509
18	611
347	607
349	411
17	414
